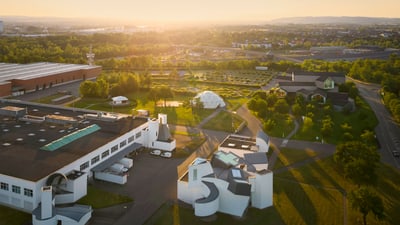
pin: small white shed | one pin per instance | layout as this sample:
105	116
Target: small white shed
119	100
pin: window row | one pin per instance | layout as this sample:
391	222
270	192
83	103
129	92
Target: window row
16	189
106	153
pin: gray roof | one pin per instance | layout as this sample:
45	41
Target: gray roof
214	193
256	158
296	84
34	70
239	188
163	133
262	135
22	157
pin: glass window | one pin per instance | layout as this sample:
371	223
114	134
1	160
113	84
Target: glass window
28	192
84	165
95	159
4	186
105	154
194	174
16	189
131	138
138	134
122	144
114	148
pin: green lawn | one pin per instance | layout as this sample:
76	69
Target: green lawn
312	194
10	216
100	199
322	173
288	156
224	121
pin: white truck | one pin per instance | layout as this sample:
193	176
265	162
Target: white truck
127	162
118	168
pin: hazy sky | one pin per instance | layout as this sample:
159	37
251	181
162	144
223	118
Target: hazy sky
165	11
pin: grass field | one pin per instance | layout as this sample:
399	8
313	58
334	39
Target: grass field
100	199
10	216
363	118
289	156
224	121
309	195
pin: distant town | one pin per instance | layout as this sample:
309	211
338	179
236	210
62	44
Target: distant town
291	121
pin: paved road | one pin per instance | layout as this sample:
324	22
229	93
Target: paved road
387	131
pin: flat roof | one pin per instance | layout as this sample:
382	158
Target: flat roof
10	71
20	141
239	142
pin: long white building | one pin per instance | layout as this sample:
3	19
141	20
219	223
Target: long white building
235	178
48	153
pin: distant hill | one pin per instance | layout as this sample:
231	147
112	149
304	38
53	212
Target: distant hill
337	20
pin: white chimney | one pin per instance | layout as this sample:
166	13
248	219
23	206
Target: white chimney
47	202
162	118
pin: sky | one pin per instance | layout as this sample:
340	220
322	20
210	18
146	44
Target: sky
201	11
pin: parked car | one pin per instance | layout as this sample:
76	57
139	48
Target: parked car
396	153
155	152
166	154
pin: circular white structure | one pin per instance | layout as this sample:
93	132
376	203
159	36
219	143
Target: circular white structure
209	99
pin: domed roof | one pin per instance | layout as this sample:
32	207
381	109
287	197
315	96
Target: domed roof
210	100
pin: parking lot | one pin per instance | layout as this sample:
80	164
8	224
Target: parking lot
151	182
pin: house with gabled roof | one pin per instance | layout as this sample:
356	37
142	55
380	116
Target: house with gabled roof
316	86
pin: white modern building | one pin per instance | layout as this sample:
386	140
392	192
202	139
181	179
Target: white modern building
235	178
209	99
48	153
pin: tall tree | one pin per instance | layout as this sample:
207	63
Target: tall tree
165	93
358	162
366	201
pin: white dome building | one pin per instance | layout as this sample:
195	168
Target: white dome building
209	99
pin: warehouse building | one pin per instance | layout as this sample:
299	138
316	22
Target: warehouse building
17	79
48	154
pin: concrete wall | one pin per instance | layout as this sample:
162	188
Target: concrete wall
262	191
111	177
229	203
19	201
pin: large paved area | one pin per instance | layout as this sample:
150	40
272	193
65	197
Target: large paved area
151	182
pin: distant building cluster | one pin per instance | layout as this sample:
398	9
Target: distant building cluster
317	86
254	44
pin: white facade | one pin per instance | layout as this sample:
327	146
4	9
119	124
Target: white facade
232	181
1	27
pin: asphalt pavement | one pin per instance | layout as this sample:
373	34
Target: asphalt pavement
387	131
